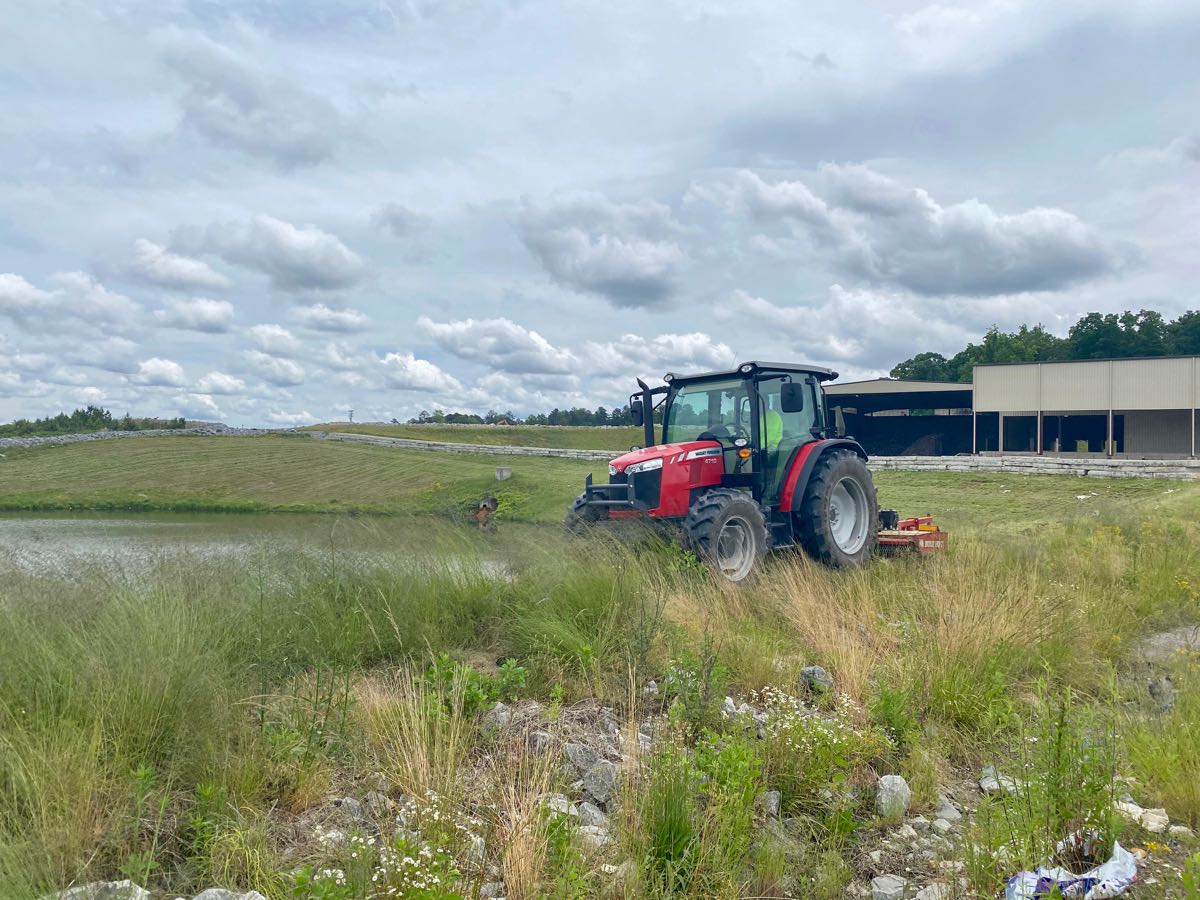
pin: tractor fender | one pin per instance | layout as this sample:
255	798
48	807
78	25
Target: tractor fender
804	460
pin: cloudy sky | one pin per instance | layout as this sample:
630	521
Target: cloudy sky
261	211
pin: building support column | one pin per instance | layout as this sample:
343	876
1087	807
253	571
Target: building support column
1039	433
1000	435
1193	432
1109	443
975	434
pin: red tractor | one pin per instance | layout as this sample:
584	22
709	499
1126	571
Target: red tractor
750	461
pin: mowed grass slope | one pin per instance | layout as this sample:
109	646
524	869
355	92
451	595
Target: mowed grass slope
302	474
571	437
286	473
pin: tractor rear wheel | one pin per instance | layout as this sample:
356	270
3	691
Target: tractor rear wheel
581	515
838	518
728	530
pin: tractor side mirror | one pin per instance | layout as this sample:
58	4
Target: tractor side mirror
791	396
635	412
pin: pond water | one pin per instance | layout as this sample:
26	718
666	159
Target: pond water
58	543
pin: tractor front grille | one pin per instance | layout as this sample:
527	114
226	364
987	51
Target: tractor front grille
647	486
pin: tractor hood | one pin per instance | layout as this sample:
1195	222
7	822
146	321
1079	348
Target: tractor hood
668	453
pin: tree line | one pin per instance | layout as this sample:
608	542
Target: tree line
579	415
1095	336
81	421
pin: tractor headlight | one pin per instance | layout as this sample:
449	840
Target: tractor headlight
648	466
612	470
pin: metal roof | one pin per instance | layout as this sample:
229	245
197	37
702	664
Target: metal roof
894	386
820	371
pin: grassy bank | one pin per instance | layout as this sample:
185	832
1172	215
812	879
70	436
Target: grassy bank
295	473
192	724
573	437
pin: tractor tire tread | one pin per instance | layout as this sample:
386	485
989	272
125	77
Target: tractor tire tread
699	528
814	537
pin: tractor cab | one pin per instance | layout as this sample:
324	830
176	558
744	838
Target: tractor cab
759	416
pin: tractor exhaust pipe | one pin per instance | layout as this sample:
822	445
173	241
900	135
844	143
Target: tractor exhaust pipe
647	413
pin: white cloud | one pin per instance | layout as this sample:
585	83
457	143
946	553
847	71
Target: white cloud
499	343
281	417
197	314
198	406
635	356
626	253
82	296
233	103
220	383
303	258
272	369
872	227
160	266
320	317
19	298
406	372
399	220
274	339
158	372
112	354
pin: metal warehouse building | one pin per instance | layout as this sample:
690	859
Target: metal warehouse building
1109	407
1132	408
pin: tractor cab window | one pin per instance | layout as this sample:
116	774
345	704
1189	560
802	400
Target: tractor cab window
717	408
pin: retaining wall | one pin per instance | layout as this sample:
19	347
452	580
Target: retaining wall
1181	469
448	447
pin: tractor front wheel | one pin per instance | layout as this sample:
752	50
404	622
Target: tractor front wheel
840	513
728	530
581	515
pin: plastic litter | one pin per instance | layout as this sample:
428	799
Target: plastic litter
1110	879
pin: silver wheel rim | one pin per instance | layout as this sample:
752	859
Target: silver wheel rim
735	549
848	515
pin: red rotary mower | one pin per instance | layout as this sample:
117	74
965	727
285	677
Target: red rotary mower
750	462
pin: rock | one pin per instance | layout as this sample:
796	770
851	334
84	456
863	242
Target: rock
558	803
816	679
919	823
936	891
222	894
104	890
497	718
768	802
1180	831
600	781
619	873
493	890
992	782
477	852
888	887
876	857
592	815
905	833
352	808
857	891
582	756
729	708
538	742
946	810
650	691
942	827
592	837
892	797
379	804
1163	692
1155	821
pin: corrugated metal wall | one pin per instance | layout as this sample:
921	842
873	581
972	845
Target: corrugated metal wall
1157	431
1150	383
1006	388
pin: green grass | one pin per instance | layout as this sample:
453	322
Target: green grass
296	473
185	721
574	437
282	473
